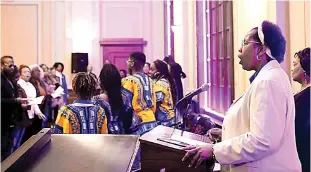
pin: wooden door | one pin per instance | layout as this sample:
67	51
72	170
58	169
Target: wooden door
117	51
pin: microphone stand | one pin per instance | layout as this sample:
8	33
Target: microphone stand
186	119
178	113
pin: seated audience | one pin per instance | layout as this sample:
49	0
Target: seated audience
119	121
82	116
301	74
165	91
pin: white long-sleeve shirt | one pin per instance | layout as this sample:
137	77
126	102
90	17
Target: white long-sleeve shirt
30	91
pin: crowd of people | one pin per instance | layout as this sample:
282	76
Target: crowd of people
137	102
21	85
131	103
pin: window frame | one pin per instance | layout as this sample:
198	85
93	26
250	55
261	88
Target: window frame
168	29
214	22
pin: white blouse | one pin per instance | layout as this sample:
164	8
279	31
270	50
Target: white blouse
30	91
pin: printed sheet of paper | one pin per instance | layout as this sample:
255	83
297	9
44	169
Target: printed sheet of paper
187	140
58	92
217	167
36	101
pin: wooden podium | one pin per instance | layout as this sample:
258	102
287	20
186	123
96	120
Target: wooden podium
161	156
46	152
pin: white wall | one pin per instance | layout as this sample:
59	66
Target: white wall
135	19
49	31
185	41
21	31
299	31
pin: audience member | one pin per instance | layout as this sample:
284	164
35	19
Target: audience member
36	79
89	69
301	74
20	117
45	68
11	101
62	79
34	113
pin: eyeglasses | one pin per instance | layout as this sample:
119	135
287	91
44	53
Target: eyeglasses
9	65
296	55
129	61
245	42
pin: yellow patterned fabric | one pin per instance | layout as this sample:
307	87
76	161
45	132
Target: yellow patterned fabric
81	117
139	92
164	99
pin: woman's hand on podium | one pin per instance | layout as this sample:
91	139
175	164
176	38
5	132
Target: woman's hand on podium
199	154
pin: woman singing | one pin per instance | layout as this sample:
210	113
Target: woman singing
258	132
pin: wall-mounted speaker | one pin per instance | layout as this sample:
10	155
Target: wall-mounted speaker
79	62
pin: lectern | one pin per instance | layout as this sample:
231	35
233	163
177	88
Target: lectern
74	152
158	155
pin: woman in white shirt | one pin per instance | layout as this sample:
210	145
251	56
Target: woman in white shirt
31	93
258	131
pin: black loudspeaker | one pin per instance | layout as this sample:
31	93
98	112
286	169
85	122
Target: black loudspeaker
79	62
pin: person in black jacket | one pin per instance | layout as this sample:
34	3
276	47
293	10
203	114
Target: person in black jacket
177	74
301	74
9	102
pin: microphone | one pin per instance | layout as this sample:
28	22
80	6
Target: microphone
204	87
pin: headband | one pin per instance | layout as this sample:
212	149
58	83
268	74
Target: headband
262	40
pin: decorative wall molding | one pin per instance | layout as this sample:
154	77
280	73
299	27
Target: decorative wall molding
39	20
123	41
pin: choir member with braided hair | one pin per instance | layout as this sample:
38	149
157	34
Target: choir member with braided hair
82	116
165	90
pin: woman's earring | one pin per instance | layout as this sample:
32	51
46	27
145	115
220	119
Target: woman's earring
258	58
